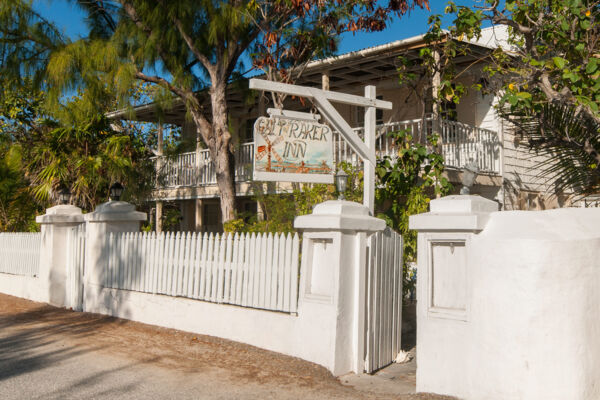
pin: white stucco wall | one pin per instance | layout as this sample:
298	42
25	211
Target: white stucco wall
27	287
531	322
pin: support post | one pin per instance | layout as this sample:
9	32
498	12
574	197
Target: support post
159	139
325	81
436	81
159	151
370	135
159	215
199	215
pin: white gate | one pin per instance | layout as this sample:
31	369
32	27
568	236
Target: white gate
384	299
75	267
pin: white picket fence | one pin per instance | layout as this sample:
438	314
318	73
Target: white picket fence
20	253
257	271
384	299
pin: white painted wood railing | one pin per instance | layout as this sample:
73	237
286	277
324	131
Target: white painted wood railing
196	168
20	253
460	143
257	271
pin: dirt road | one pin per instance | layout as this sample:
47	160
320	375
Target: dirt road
52	353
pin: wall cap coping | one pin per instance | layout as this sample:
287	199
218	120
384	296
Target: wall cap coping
118	211
462	204
455	213
445	222
339	215
61	214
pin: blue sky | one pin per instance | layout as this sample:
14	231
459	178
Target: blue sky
70	19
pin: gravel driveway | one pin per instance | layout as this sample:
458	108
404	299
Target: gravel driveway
52	353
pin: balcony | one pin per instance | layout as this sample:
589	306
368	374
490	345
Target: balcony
460	144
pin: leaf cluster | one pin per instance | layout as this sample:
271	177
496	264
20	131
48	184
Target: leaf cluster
406	183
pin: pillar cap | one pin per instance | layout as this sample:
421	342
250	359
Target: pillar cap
462	204
339	215
115	211
63	213
455	213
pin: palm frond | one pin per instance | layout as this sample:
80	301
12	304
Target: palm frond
569	142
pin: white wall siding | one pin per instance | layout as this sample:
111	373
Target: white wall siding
20	253
258	271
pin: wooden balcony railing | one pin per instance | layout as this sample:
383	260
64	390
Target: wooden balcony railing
460	144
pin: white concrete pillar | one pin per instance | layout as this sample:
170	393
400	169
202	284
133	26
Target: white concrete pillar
332	281
443	305
112	216
55	225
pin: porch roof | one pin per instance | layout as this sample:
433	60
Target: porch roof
346	72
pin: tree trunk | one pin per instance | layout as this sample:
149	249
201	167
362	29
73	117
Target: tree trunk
222	151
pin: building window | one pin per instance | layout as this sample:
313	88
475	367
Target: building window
248	131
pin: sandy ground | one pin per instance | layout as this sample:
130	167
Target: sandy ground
52	353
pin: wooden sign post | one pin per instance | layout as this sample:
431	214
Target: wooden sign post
322	99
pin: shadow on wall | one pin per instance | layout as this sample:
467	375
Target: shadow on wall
520	196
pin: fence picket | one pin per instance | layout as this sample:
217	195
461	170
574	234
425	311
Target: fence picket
209	266
20	253
202	266
240	271
234	269
295	273
268	272
251	270
246	268
190	266
227	268
221	268
168	256
260	285
280	272
253	267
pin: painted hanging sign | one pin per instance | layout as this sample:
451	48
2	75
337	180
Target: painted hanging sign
288	149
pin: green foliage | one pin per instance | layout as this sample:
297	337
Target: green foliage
279	213
550	68
17	206
74	146
406	183
87	159
182	48
280	209
554	132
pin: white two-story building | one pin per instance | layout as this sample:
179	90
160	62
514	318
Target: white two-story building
470	131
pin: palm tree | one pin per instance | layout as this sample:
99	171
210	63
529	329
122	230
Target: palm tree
570	142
